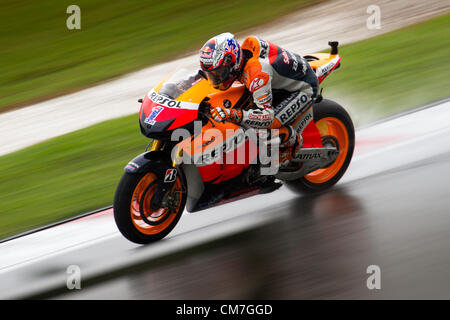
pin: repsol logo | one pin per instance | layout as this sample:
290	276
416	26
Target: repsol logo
214	154
258	124
292	110
305	120
234	142
164	101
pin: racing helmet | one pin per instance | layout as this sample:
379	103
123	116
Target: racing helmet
221	60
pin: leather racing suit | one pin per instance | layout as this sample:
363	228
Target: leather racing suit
283	84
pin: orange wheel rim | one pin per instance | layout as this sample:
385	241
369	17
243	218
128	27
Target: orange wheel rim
140	206
331	127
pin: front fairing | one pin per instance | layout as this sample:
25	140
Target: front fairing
172	104
160	114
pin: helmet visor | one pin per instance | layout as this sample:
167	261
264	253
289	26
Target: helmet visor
218	76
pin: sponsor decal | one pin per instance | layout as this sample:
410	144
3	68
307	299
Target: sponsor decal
234	142
170	103
164	101
265	99
207	52
207	143
131	167
264	49
324	70
256	84
289	111
304	65
258	124
308	156
233	148
259	117
230	47
171	175
155	112
227	103
294	65
207	63
213	154
305	120
285	57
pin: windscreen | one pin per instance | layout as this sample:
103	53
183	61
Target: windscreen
179	82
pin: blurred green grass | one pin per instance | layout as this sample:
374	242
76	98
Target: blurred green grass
66	175
41	58
79	171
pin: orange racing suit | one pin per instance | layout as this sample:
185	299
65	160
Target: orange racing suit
271	72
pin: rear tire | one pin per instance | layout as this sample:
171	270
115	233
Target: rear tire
331	120
131	202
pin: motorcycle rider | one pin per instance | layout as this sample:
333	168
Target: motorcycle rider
282	83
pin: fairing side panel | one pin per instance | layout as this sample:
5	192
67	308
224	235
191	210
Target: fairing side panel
233	95
324	64
221	152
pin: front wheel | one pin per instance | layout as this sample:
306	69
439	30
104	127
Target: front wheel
133	213
336	129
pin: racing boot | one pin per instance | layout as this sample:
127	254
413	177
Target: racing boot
291	143
287	140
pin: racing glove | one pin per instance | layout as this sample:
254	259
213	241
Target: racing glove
222	114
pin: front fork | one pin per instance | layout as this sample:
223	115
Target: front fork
166	180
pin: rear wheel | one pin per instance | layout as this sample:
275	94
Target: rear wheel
133	213
336	129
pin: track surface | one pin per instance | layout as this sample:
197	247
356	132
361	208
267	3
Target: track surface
304	32
391	209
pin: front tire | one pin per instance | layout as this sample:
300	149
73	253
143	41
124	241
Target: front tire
135	218
336	128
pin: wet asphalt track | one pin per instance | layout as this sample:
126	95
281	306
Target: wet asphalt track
321	246
391	210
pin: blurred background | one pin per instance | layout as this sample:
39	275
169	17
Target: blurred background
68	111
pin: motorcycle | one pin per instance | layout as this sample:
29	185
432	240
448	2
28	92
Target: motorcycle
160	183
